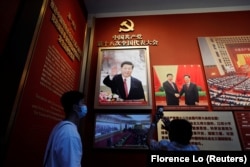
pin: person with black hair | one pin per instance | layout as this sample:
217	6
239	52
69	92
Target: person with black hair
190	90
171	91
124	85
179	133
64	148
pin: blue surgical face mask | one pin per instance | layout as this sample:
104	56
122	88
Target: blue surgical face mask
83	111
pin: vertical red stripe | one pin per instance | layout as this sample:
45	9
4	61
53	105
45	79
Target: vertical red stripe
157	82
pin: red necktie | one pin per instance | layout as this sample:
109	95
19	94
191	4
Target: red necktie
125	87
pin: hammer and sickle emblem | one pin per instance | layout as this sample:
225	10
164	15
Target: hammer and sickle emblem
127	26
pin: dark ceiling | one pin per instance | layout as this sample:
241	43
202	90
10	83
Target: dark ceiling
102	7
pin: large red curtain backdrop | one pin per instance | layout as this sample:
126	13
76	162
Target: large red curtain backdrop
157	82
195	73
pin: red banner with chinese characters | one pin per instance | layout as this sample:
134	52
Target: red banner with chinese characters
54	67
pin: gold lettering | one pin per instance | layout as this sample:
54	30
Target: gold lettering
66	40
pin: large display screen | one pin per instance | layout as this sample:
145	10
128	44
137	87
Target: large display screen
121	131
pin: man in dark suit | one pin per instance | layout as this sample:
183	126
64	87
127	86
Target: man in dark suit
171	91
124	85
191	92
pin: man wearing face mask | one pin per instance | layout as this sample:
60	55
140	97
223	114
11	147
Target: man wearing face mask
64	146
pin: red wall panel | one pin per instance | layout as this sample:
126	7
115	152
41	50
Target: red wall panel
177	36
50	72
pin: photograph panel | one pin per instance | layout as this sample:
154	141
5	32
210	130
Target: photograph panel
180	87
123	78
226	62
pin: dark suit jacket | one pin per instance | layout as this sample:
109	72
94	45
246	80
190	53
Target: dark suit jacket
170	91
191	94
116	85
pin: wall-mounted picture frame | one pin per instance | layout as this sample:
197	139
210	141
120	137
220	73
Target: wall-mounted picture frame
227	69
116	64
180	87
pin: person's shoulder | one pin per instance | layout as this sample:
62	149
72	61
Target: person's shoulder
117	76
165	82
159	145
164	144
195	148
192	147
135	79
69	129
192	83
164	141
65	129
66	125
